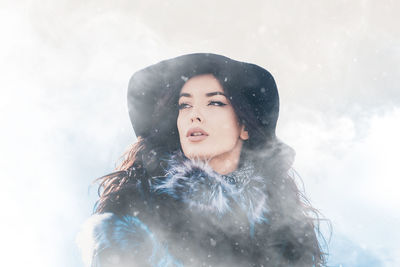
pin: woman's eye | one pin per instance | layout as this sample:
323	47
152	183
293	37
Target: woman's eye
183	105
216	103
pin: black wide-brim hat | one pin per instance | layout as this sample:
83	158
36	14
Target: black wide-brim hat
153	95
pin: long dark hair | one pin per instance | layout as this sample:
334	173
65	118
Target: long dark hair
294	222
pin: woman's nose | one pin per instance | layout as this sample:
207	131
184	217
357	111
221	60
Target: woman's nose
196	116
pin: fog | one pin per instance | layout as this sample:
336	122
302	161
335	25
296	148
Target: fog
64	122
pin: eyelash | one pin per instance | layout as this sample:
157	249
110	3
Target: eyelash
182	106
212	103
219	103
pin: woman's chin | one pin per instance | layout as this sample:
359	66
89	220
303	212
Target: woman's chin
198	156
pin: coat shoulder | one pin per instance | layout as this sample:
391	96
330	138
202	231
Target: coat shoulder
111	240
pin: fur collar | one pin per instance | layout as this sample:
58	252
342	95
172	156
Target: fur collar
197	184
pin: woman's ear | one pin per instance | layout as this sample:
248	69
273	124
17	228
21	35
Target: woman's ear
244	134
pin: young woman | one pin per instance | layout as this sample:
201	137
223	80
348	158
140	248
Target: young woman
207	182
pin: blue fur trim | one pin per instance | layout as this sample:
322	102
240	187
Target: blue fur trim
123	236
197	184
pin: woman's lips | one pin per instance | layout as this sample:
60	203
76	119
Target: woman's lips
196	134
197	138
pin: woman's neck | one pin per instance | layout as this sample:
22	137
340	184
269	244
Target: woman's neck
227	162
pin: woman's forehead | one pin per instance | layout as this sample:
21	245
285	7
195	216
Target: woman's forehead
204	84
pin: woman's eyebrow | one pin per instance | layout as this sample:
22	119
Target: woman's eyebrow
215	93
208	94
184	94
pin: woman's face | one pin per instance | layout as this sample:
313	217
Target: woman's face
207	124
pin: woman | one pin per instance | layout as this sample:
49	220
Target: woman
206	183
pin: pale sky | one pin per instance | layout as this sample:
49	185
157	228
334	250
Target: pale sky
65	67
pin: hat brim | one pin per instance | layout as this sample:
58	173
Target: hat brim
251	85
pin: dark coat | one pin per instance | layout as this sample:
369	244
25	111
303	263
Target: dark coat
192	216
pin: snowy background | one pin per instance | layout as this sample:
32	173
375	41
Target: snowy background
65	67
